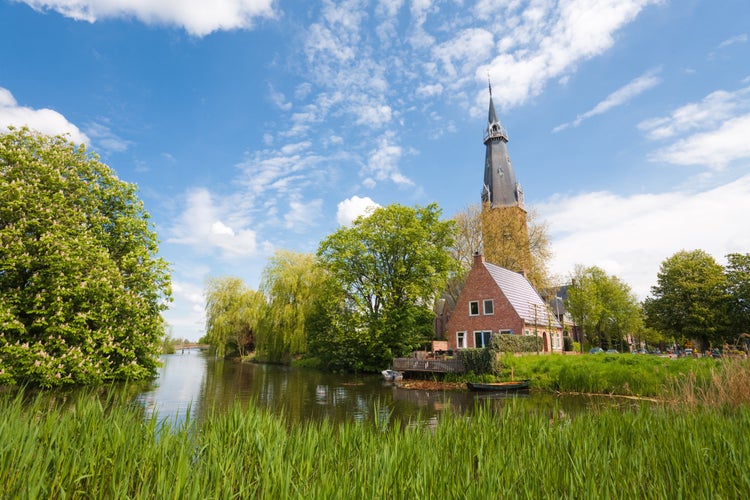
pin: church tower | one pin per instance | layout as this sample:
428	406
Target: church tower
505	234
500	186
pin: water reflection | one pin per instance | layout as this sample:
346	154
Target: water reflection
196	383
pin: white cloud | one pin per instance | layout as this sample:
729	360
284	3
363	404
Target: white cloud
712	132
547	39
302	215
716	148
201	227
197	17
187	314
383	164
616	98
630	236
712	111
734	40
353	207
104	138
44	120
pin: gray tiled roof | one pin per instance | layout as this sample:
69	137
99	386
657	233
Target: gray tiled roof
522	296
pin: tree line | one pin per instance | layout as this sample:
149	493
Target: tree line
82	289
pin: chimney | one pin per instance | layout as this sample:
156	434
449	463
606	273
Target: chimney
478	258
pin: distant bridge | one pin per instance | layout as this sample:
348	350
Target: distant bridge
192	345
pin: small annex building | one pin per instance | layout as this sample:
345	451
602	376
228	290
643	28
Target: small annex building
497	301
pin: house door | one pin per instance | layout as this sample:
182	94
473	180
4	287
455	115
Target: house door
545	342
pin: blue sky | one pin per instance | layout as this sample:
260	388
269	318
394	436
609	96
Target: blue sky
256	125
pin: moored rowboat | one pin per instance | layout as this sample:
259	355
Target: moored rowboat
517	385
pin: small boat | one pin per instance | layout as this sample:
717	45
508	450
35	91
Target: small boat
516	385
392	375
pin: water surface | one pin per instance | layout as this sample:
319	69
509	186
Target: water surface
195	382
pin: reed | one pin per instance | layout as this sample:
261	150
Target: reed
105	449
623	374
727	386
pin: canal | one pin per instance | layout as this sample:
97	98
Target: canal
194	382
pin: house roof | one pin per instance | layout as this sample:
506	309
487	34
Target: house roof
522	296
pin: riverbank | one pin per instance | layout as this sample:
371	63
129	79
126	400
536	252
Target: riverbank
714	382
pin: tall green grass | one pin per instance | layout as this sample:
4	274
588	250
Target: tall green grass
104	449
624	374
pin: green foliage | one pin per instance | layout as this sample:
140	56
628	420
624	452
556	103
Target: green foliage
737	273
567	343
478	361
291	282
624	374
106	450
81	288
690	299
389	268
233	312
602	306
516	343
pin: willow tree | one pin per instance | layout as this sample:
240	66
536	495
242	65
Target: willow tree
81	286
233	312
290	283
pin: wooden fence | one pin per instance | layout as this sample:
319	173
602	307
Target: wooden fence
435	365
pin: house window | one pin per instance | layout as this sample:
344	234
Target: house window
489	307
460	340
482	339
473	308
506	332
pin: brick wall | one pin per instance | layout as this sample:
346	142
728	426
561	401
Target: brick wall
480	286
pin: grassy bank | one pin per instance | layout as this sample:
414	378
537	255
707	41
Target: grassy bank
105	450
624	374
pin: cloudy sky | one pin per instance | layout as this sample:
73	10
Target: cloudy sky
256	125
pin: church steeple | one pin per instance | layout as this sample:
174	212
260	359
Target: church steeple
500	187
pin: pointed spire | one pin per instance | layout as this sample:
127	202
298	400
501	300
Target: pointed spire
492	115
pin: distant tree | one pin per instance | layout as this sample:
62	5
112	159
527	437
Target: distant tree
390	266
233	312
517	241
737	272
81	287
690	299
602	306
290	283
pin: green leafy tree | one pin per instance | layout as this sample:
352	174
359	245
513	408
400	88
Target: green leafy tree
690	299
290	283
81	288
233	312
602	306
737	272
390	266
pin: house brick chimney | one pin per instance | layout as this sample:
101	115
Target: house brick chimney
478	258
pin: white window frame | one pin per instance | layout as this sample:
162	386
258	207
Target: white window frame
485	341
460	340
506	332
492	307
473	302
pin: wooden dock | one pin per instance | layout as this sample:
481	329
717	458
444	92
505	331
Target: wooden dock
428	365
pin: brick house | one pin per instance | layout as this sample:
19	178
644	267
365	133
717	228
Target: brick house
495	301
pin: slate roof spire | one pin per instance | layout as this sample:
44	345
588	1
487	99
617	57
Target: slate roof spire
500	186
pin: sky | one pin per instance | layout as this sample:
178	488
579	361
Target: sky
251	126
